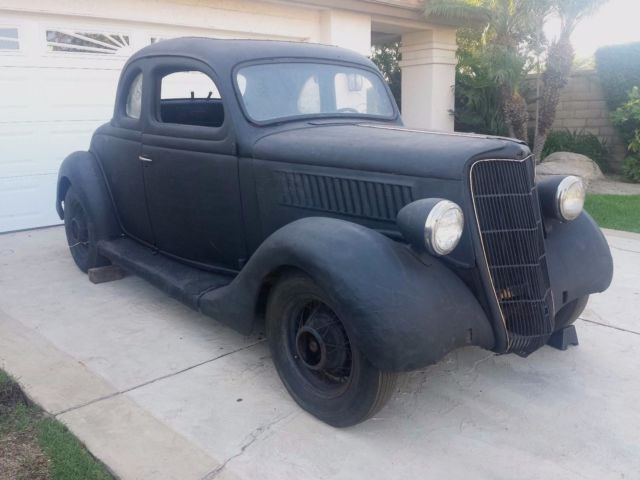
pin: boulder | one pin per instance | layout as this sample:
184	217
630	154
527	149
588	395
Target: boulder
567	163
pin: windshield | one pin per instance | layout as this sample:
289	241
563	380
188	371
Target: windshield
280	90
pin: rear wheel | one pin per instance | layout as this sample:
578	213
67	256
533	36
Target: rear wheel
80	230
315	358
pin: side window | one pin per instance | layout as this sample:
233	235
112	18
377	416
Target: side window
190	98
134	98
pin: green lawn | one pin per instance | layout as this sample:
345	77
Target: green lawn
619	212
35	446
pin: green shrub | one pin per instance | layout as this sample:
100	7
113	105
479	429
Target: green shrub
618	67
387	59
631	169
582	142
627	119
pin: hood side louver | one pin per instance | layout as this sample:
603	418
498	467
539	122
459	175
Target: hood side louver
345	196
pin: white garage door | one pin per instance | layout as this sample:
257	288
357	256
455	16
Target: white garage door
57	84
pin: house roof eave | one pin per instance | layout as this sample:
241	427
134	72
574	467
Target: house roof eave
412	10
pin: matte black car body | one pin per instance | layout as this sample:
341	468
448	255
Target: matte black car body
231	208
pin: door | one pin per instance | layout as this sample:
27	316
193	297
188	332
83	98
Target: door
118	147
190	167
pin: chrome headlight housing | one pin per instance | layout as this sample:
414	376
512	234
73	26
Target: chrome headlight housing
561	197
570	197
443	227
434	225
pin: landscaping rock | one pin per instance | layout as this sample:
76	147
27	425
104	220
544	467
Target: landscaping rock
567	163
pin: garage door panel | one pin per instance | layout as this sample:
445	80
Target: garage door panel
15	102
39	148
79	94
57	94
26	202
16	158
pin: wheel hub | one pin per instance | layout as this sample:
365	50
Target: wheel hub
321	344
311	348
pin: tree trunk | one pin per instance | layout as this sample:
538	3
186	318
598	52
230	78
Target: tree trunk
515	114
538	146
554	78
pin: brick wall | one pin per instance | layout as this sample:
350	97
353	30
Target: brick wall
583	107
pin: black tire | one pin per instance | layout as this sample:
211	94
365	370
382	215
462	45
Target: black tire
80	230
331	380
570	312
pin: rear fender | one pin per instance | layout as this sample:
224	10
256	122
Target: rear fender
401	310
82	171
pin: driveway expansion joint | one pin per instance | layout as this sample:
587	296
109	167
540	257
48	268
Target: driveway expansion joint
157	379
609	326
623	249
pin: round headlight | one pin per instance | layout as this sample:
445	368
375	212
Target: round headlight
570	197
443	227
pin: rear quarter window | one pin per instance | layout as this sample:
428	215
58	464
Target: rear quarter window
134	98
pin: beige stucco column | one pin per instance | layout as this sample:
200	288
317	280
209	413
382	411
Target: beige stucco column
428	76
347	30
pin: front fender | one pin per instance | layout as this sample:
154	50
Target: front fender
578	258
402	311
82	171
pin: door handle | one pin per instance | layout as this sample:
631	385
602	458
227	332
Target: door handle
144	159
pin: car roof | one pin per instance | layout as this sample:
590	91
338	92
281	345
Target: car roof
222	53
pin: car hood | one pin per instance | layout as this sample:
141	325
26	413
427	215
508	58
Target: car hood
384	148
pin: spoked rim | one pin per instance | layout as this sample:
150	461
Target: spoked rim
78	231
320	347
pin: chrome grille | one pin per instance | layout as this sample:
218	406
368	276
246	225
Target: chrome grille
508	215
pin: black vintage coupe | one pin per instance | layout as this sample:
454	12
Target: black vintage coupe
268	180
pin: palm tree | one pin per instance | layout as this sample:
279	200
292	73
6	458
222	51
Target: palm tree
560	58
508	35
510	44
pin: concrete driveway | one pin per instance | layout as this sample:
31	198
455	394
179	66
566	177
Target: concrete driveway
158	391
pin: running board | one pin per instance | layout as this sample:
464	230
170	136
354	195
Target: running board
182	282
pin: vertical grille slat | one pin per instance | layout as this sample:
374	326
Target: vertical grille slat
505	200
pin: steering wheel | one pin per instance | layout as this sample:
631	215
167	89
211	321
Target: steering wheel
347	110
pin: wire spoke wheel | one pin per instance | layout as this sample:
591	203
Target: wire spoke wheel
317	360
80	230
321	346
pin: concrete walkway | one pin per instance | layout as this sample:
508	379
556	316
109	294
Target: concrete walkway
613	186
157	391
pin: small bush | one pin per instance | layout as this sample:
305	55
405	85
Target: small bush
631	169
627	119
582	142
618	67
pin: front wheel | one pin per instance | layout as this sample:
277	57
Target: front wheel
315	358
570	312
